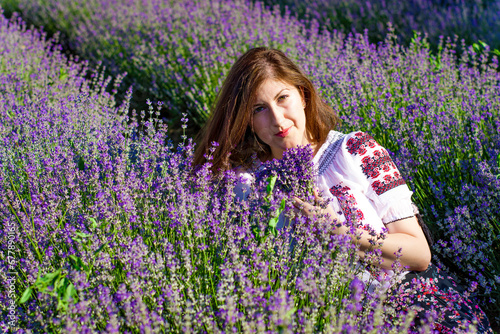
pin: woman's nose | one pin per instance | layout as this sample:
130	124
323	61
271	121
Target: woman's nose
277	115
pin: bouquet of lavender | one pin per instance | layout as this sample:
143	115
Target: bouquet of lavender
278	180
293	173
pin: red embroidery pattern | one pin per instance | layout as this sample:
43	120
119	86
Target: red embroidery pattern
376	164
389	182
359	143
379	161
347	203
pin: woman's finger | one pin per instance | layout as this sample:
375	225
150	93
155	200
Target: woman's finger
305	207
317	198
298	203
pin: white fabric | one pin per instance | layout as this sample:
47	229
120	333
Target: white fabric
340	169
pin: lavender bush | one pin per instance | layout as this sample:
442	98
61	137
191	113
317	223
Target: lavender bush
112	230
28	65
471	20
435	112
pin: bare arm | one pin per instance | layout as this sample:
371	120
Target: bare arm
404	234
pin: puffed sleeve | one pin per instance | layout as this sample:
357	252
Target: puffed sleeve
365	162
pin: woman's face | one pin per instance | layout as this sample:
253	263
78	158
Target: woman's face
279	118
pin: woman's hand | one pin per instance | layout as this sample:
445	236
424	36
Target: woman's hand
317	210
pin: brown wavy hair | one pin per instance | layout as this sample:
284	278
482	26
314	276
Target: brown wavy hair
230	123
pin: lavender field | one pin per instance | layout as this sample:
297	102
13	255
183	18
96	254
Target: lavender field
471	20
108	228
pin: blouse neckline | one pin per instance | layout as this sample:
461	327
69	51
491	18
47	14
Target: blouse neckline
327	151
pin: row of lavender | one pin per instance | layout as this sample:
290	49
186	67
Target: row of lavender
471	20
437	114
106	230
178	51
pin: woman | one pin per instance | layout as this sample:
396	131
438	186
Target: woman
267	105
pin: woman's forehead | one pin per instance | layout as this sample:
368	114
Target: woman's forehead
270	86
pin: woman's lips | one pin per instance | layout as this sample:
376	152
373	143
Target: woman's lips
283	133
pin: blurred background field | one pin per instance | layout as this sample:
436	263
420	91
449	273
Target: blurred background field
426	86
179	51
470	20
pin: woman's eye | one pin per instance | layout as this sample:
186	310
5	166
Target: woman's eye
282	97
258	109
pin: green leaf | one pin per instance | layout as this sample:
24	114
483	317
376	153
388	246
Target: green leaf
290	312
70	292
82	235
10	114
282	206
81	164
101	248
271	181
76	262
26	295
476	47
479	46
47	280
256	233
50	276
273	222
61	306
94	222
414	38
63	74
60	285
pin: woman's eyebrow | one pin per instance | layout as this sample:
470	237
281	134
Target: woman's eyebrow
275	97
281	91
